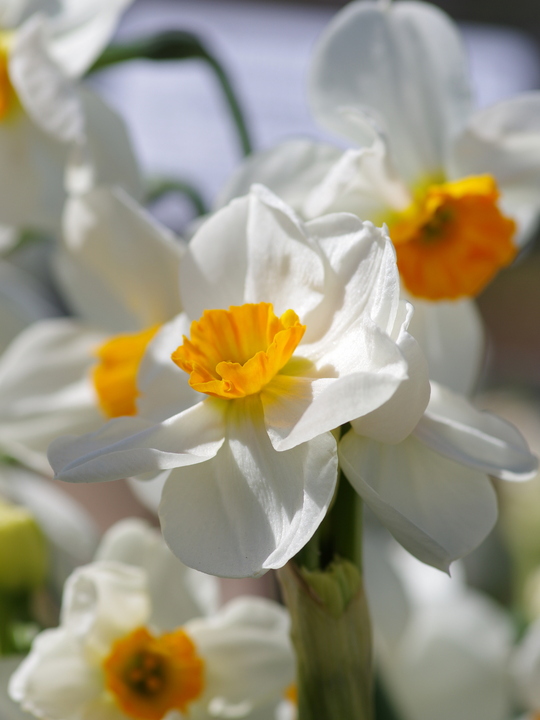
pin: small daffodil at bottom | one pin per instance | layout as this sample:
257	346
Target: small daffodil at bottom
110	659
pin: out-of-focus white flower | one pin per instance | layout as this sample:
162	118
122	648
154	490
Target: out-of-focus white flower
119	272
45	112
431	488
301	330
9	710
442	648
392	78
111	659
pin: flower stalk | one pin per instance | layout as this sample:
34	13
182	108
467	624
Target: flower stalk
331	634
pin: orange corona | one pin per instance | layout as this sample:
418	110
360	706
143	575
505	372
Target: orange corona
453	239
149	676
236	352
115	375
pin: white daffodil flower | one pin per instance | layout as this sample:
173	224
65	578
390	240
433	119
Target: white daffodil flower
295	329
457	189
442	649
119	272
432	488
45	112
112	658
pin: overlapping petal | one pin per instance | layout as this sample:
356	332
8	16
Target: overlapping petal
404	64
249	656
261	506
455	428
105	230
437	509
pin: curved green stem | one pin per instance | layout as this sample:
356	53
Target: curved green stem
179	45
159	188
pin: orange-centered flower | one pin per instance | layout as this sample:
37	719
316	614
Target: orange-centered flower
236	352
115	376
150	676
453	239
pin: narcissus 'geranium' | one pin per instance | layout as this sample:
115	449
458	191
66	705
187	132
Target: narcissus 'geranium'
455	188
289	331
119	273
113	658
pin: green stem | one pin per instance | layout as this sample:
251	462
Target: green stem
164	187
179	45
331	633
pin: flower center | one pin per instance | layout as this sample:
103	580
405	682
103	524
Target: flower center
236	352
453	239
115	375
8	96
150	676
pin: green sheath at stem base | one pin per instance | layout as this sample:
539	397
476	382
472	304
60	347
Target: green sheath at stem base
331	633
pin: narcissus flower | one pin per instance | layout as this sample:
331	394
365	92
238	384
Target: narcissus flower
119	273
456	188
45	48
289	331
432	488
112	658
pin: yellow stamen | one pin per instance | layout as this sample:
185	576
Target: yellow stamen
8	96
453	239
151	676
236	352
115	376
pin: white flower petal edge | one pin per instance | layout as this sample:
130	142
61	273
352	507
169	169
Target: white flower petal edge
45	388
437	509
8	709
407	64
81	29
455	428
178	593
249	654
117	267
503	140
256	508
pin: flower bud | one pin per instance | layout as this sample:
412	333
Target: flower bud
23	550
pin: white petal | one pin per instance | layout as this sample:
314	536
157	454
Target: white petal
503	140
178	593
290	170
118	267
130	446
253	250
451	335
45	388
164	387
49	97
355	377
8	709
22	301
362	182
109	146
250	508
81	29
402	63
70	529
32	175
455	428
397	418
452	662
55	681
248	655
148	491
438	510
104	601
